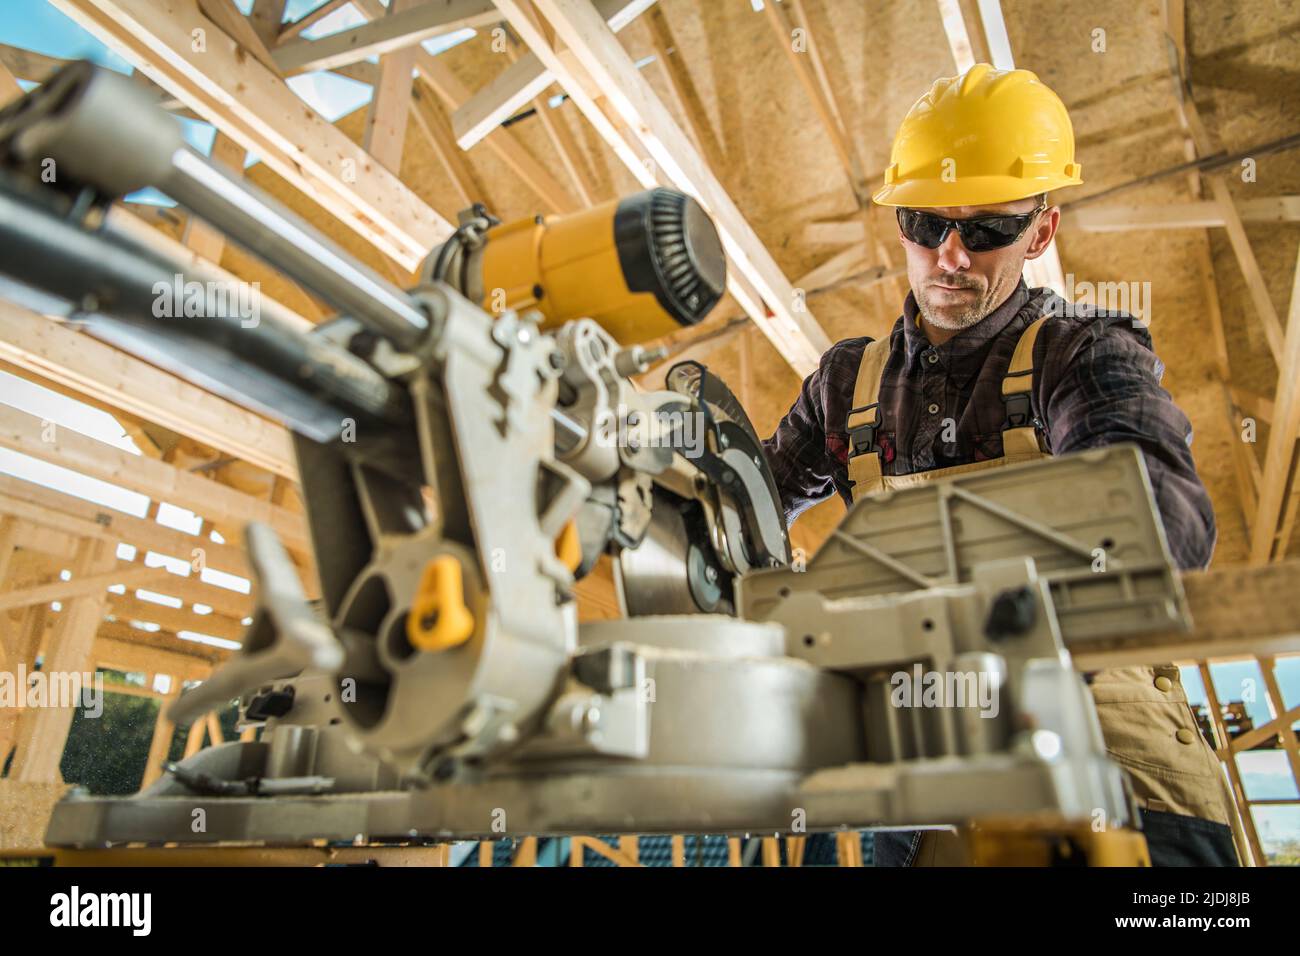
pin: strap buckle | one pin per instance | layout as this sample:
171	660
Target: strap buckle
1019	410
862	436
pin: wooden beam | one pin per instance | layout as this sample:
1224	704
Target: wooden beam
266	17
28	435
566	147
194	738
835	232
1257	406
399	30
557	131
502	142
850	264
30	634
674	69
1277	705
58	514
1277	727
524	80
1198	141
649	131
214	728
605	850
206	241
160	744
677	844
43	731
1247	262
9	527
108	375
432	121
1200	214
28	64
136	223
1224	753
811	73
1279	460
9	88
386	116
290	30
126	607
122	647
526	853
241	97
82	586
227	17
1246	468
191	590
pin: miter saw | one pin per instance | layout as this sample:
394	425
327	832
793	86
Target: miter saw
469	448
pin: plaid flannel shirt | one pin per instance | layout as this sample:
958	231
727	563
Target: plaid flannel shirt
1097	382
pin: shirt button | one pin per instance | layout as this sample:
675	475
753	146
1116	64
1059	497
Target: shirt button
1185	736
932	358
1164	684
933	409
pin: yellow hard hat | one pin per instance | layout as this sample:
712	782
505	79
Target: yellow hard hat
988	136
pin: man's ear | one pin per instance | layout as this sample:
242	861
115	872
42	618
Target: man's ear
1043	230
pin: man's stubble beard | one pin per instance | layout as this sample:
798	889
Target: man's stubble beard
959	321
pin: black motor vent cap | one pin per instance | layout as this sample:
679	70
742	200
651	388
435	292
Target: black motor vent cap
667	245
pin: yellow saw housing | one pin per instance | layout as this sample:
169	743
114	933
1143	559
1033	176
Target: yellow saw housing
641	266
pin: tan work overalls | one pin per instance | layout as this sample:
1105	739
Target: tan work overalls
1145	719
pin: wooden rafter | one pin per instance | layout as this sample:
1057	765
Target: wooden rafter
28	435
80	587
290	30
9	88
560	137
678	77
267	17
207	242
524	80
639	127
403	28
1198	214
1279	479
390	106
226	15
502	142
787	17
244	99
42	731
118	379
53	523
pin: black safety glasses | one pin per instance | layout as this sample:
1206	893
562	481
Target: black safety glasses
981	234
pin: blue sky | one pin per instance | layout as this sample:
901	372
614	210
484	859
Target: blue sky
35	25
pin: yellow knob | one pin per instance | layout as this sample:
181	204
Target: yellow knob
568	546
1185	736
438	618
1164	684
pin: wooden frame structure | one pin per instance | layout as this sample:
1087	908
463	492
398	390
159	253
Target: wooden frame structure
226	464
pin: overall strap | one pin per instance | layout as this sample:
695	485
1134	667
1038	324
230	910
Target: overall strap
1019	437
864	419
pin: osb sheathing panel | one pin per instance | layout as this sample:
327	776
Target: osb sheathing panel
25	813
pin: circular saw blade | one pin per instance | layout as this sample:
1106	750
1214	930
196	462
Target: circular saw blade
673	570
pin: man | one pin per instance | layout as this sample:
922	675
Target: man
981	371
